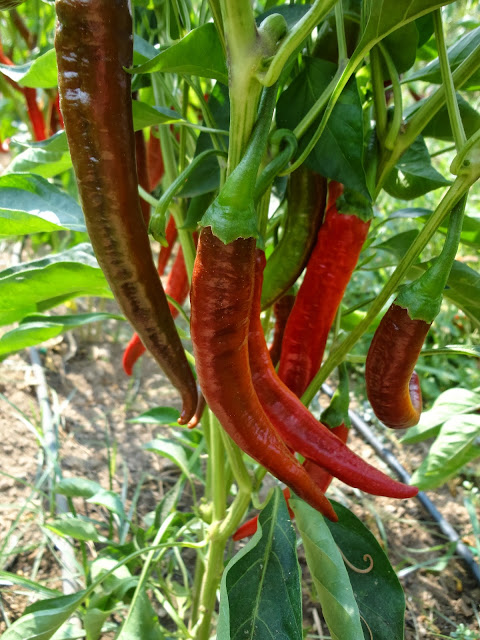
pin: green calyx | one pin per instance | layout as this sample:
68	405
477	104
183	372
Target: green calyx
423	298
352	202
233	214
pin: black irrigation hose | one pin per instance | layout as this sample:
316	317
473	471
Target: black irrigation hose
367	434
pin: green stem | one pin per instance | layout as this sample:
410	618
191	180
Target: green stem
217	462
447	81
453	195
378	91
396	122
341	39
217	19
211	579
294	39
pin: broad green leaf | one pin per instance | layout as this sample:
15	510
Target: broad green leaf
142	50
78	528
7	579
110	500
384	16
450	403
77	487
26	286
40	73
439	126
199	53
338	154
159	415
37	328
144	115
291	12
42	619
457	444
328	572
30	204
413	175
457	53
378	593
42	162
93	621
399	243
170	449
260	594
401	44
57	142
142	622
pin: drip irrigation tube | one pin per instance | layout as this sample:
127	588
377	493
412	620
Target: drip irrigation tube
367	434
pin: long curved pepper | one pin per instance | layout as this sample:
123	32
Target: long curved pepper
298	428
393	387
221	299
94	43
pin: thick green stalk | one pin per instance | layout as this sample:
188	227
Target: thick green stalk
341	39
378	92
396	122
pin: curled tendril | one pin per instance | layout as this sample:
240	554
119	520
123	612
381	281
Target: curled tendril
367	558
366	624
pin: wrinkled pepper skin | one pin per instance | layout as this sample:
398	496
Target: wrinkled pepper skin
393	387
306	196
94	43
177	287
221	300
333	260
281	310
322	477
298	428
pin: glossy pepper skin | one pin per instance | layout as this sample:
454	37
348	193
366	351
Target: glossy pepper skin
298	428
306	196
322	477
177	287
155	165
281	310
94	43
333	260
393	387
221	300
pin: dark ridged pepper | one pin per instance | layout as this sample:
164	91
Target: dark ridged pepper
281	310
142	172
177	287
94	44
221	300
333	260
155	164
306	197
298	428
393	387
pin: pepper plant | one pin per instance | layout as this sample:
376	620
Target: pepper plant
261	137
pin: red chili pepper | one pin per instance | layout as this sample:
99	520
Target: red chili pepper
333	260
281	310
297	426
177	287
155	164
393	388
318	473
221	300
94	45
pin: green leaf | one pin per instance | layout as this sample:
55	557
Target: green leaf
78	528
42	162
93	621
457	444
199	53
378	592
158	415
29	285
57	142
413	175
30	204
399	243
328	572
456	55
37	328
42	619
170	449
144	115
260	594
142	622
401	44
338	154
385	16
110	500
8	579
77	487
450	403
439	126
40	73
